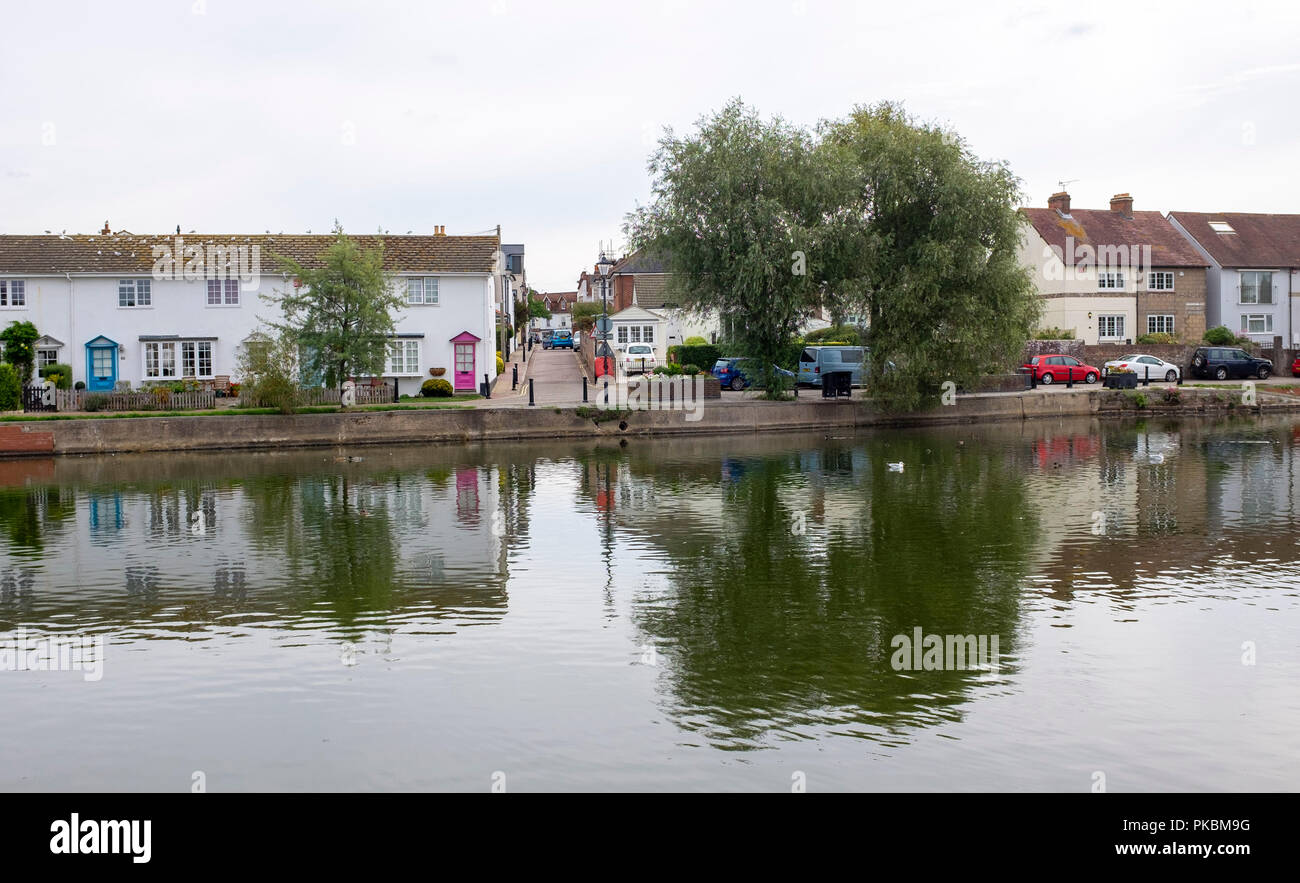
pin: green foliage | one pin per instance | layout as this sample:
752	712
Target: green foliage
706	355
11	388
601	415
584	315
691	370
1158	337
537	308
1053	333
343	313
19	350
737	215
60	374
672	369
847	335
1220	335
436	388
1138	399
695	340
94	402
875	215
269	371
927	249
79	385
501	365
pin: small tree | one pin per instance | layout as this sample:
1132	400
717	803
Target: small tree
341	315
269	371
19	348
584	316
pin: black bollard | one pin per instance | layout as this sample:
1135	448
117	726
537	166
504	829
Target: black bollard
1146	376
1069	378
487	387
584	388
514	381
530	392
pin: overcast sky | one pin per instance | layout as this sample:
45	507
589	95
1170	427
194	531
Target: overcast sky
225	116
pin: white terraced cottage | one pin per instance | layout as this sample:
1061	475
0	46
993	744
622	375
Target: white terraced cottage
102	305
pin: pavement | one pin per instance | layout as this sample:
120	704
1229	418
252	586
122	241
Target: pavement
556	376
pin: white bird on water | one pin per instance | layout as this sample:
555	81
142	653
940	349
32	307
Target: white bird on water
896	467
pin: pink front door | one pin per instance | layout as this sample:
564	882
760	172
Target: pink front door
465	366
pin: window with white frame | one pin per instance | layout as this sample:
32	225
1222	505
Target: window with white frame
134	293
1110	326
1257	323
13	293
159	360
1161	281
622	334
1110	280
403	357
635	332
648	334
1160	324
1256	287
223	292
422	290
196	358
47	355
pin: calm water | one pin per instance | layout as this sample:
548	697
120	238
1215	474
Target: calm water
674	614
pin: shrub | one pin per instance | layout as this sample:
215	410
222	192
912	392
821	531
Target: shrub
1158	337
79	385
1220	335
690	370
846	335
270	371
11	388
698	355
436	388
63	372
94	402
674	351
695	340
19	340
1054	333
1173	395
501	365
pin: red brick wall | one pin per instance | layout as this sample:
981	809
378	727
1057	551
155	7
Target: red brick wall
16	441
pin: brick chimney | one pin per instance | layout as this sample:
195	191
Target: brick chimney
105	231
1122	203
1060	202
439	231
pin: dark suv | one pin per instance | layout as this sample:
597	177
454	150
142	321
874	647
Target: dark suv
1222	362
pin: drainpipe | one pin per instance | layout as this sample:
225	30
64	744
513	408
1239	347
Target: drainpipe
72	337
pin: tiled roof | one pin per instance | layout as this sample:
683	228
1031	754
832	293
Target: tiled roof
1259	240
1100	228
639	262
564	299
131	253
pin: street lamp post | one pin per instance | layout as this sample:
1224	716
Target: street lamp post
604	266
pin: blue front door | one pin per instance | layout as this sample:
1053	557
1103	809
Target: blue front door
101	367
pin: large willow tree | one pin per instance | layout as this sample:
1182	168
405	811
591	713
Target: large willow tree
876	214
735	216
926	246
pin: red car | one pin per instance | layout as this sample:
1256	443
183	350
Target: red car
1060	368
1295	367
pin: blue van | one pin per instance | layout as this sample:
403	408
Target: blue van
815	361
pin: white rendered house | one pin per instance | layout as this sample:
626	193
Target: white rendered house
121	307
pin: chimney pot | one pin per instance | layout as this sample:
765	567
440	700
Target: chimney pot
1060	202
1122	203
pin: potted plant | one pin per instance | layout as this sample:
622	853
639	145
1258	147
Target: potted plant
437	372
1120	378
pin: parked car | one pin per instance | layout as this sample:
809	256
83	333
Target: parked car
638	357
561	339
740	373
1222	362
1295	367
1143	366
1059	368
815	361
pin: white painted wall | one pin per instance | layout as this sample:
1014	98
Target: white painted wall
1231	308
80	308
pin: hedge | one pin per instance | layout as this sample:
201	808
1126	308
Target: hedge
11	388
706	356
